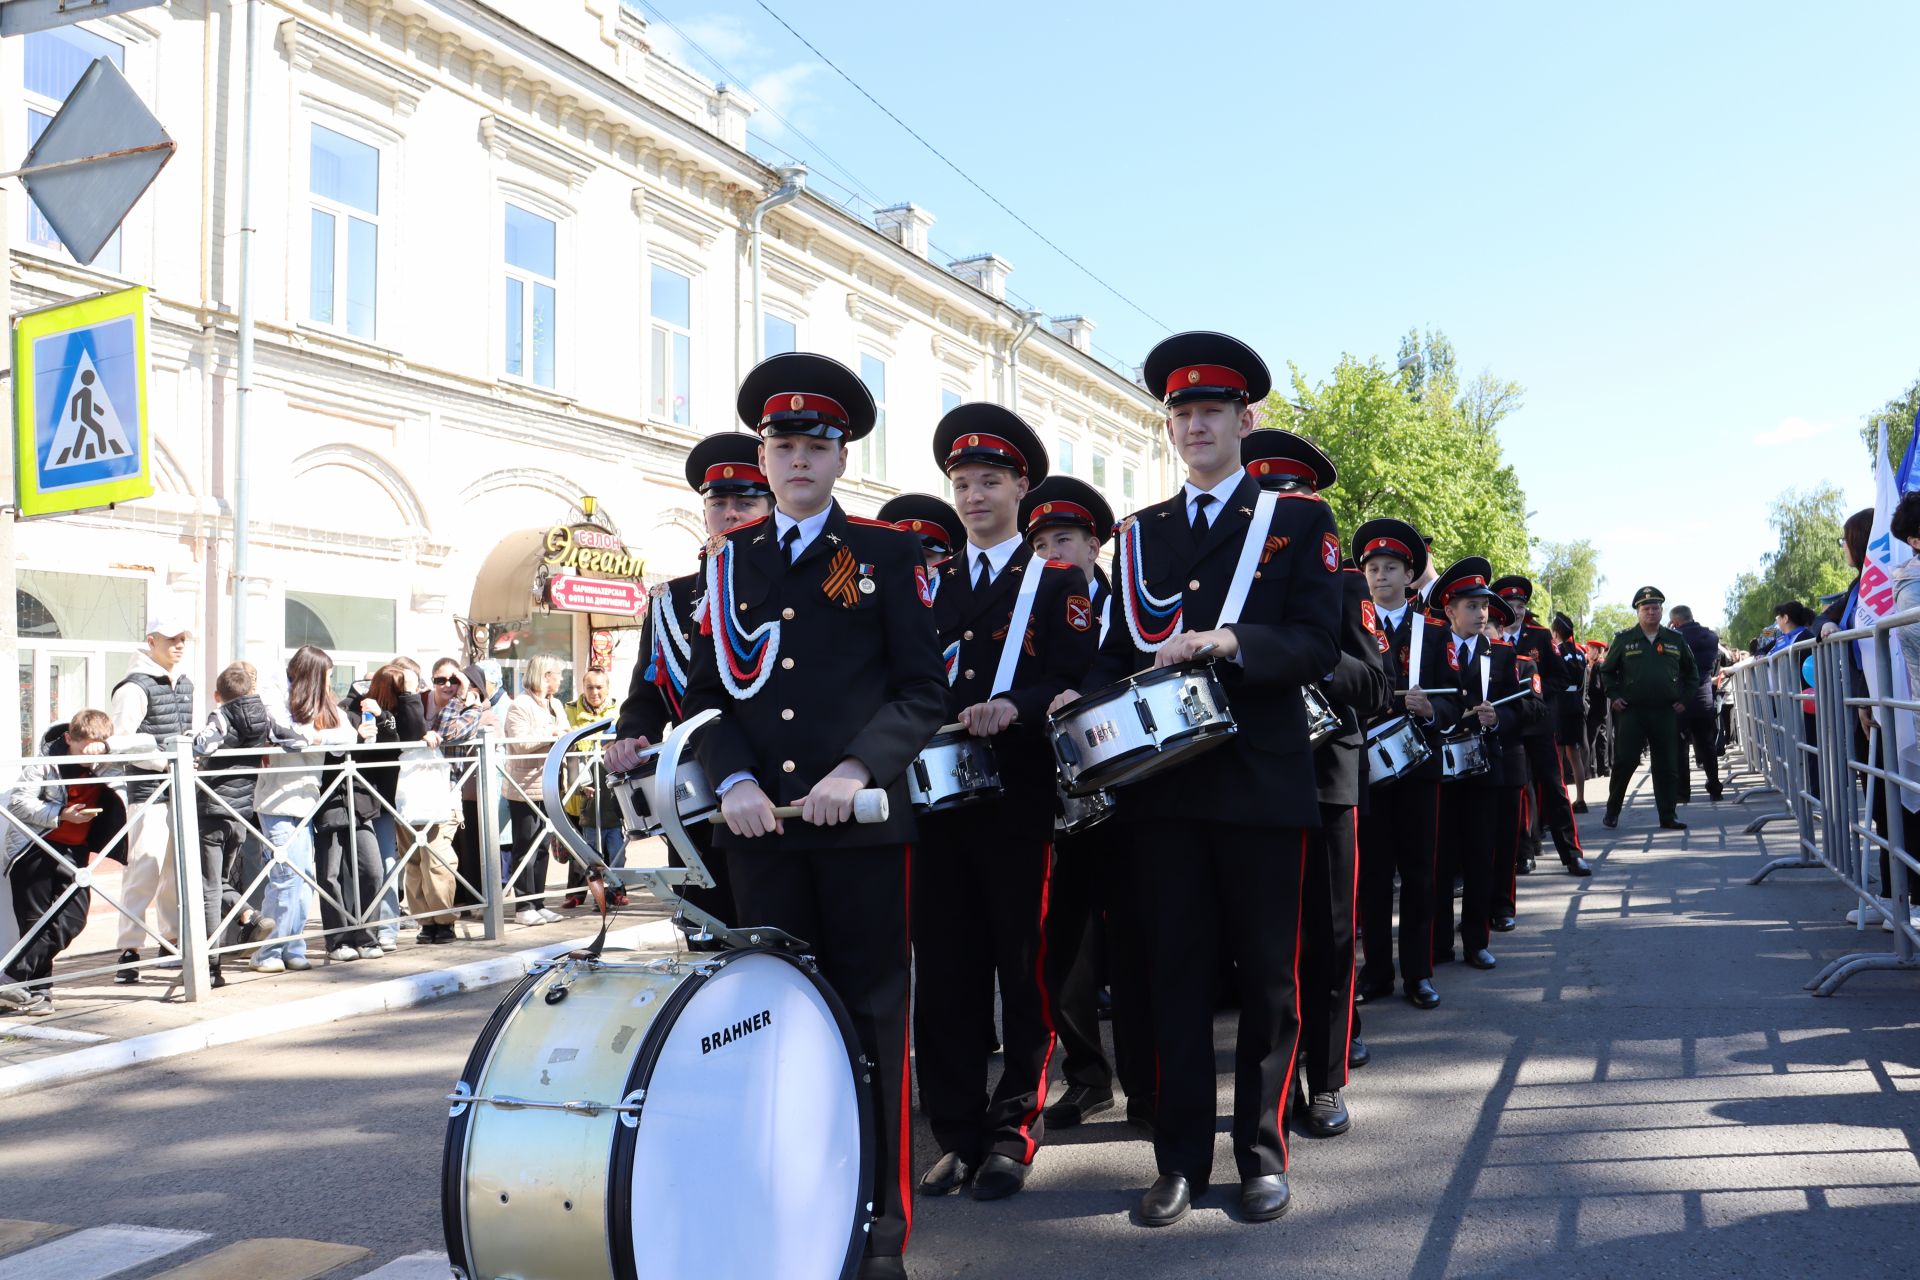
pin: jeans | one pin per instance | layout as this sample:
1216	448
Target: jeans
289	896
389	914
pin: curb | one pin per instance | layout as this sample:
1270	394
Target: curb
378	997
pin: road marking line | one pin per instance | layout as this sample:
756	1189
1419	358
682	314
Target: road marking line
17	1234
415	1266
269	1258
97	1253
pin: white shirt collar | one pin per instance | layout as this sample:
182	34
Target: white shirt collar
996	556
809	528
1221	493
1392	616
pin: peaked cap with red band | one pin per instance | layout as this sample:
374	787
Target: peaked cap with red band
1273	457
934	522
1463	579
1062	502
991	434
728	462
1389	537
1514	586
1503	611
1202	365
798	393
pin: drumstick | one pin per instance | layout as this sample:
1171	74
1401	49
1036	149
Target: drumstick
869	805
1401	693
1205	649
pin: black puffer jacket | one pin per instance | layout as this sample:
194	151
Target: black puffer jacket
239	724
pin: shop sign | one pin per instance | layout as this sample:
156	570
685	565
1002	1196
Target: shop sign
589	549
596	595
80	404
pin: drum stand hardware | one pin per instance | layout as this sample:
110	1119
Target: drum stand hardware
462	1097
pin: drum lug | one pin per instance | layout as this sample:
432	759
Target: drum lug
630	1108
461	1092
1191	707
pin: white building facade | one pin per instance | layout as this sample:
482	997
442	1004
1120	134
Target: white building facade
501	265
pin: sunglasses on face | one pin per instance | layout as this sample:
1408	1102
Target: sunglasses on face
446	679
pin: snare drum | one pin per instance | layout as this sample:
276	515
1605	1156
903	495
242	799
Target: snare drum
661	1119
955	768
637	793
1077	813
1463	754
1395	748
1140	726
1322	721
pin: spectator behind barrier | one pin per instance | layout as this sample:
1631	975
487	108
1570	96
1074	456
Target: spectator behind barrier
535	719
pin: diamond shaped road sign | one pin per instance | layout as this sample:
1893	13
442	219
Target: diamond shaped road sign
94	160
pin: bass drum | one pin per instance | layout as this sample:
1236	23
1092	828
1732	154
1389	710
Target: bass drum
643	1120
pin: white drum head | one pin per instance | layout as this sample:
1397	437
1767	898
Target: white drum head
748	1156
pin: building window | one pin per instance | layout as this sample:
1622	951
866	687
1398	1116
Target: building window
1126	483
672	305
53	62
873	449
780	336
1099	469
949	401
344	264
532	303
1066	458
356	632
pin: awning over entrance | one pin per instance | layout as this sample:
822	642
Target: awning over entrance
505	589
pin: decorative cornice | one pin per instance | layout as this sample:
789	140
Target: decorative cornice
676	217
310	49
789	274
506	140
868	312
961	357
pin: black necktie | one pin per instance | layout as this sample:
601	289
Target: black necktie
1200	505
790	542
983	578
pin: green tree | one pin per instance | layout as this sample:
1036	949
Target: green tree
1807	564
1609	620
1896	419
1488	399
1404	449
1569	572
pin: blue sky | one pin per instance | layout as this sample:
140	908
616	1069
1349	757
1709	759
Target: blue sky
1687	230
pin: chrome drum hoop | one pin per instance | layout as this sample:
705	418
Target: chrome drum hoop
1395	748
1140	726
952	770
1463	755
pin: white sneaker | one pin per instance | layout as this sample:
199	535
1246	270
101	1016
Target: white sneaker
1861	915
299	964
267	964
371	952
15	997
551	916
528	915
343	953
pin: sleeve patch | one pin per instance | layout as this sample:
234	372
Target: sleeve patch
923	585
1080	613
1330	552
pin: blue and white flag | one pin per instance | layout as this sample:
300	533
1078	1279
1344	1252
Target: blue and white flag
1874	598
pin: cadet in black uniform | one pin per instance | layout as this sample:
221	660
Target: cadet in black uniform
1221	840
1093	926
724	470
1547	784
1357	689
1399	832
927	518
980	900
1510	858
819	651
1470	807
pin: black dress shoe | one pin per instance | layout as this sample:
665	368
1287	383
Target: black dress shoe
1576	866
126	974
1502	924
1326	1116
1265	1198
1421	995
1525	868
1166	1201
1481	959
999	1177
1076	1104
949	1173
1358	1055
1610	820
1369	991
875	1268
1672	824
1579	806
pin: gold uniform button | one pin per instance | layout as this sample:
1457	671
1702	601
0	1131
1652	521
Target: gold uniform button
743	606
1194	585
786	713
786	766
966	635
786	664
968	673
787	614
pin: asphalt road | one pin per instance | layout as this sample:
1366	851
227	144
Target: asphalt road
1642	1086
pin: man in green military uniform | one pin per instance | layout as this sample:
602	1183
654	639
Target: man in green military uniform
1649	674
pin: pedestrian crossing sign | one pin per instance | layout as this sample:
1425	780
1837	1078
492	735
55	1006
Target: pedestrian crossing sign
80	404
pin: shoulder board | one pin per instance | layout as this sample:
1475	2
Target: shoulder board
1126	523
1351	569
754	523
1298	493
1502	644
870	523
1060	564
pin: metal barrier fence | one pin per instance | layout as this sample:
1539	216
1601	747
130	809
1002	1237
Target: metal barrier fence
451	850
1824	750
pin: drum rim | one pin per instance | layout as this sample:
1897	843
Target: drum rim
1152	675
453	1153
1213	735
619	1201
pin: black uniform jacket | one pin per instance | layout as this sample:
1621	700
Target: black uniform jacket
1536	642
649	707
1436	678
1570	697
1264	776
858	673
1062	636
1360	691
1504	752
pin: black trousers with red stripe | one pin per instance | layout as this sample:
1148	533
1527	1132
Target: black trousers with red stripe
1398	833
1327	914
851	906
1550	794
1215	888
979	912
1513	817
1469	816
1094	935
